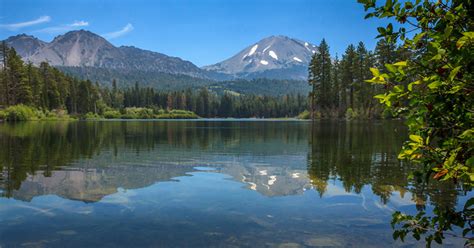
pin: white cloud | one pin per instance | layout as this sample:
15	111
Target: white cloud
112	35
52	30
15	26
62	28
79	24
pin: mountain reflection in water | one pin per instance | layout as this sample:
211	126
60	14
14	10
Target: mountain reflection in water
339	165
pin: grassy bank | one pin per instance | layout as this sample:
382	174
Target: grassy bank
28	113
142	113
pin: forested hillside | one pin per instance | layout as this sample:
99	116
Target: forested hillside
128	78
47	88
161	81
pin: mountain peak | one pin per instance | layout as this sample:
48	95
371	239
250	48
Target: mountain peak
25	45
279	36
19	36
80	34
276	52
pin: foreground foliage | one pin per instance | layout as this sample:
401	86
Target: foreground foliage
433	89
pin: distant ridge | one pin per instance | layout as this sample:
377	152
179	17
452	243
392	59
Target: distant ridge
85	49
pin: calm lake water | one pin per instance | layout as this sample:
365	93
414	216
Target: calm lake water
207	184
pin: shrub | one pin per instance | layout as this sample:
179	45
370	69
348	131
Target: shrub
20	113
182	114
161	112
351	114
91	116
112	114
54	114
3	115
304	115
138	113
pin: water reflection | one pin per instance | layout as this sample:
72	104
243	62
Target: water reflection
88	160
222	182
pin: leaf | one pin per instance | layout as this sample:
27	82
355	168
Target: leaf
398	88
454	72
395	235
418	37
447	31
467	134
381	96
381	30
416	138
375	72
401	63
434	85
410	86
440	174
470	35
469	204
389	28
467	37
461	42
436	57
391	68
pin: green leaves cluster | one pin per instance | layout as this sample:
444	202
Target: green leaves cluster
433	90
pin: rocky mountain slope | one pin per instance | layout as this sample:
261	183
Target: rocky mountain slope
86	49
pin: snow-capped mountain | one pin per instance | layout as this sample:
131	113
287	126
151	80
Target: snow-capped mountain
278	57
85	49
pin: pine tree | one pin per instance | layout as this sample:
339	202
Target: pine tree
320	76
3	75
385	54
348	76
18	89
336	84
312	80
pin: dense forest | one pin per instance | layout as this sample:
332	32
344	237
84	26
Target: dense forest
48	89
338	85
177	82
206	103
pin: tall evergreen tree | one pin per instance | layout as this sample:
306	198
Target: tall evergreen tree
320	76
348	77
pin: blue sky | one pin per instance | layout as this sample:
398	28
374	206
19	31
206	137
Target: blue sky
201	31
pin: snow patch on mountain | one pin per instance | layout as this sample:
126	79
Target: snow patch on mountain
263	62
297	59
273	55
252	51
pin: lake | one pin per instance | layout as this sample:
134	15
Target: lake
208	183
